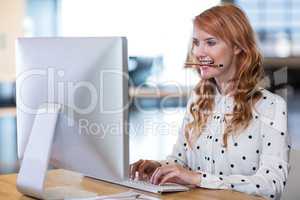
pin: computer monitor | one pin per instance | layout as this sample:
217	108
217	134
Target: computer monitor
88	79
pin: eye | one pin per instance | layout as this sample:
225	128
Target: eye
211	43
195	42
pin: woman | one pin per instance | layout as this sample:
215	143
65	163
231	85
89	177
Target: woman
234	133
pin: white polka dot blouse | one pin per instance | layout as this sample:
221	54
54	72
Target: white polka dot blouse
255	160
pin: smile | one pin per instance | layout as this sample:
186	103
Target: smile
206	62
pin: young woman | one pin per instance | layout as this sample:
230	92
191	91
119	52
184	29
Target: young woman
234	133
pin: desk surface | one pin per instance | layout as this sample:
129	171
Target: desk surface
62	178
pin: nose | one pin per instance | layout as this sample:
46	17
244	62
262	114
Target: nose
199	51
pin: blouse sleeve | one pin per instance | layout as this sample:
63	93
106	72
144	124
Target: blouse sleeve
270	178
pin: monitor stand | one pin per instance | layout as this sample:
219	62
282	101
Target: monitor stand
33	171
34	167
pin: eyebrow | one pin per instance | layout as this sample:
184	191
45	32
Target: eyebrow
210	38
206	39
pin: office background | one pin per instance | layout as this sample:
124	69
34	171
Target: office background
158	34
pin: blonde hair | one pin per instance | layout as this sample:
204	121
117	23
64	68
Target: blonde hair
228	23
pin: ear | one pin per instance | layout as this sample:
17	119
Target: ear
236	50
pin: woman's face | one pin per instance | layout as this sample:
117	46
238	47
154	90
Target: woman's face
207	47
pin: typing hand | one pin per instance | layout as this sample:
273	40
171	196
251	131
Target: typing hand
175	174
145	169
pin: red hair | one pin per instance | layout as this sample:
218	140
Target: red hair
228	23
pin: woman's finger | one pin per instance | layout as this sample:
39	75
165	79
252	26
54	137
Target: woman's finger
142	168
153	175
161	172
169	176
156	175
133	168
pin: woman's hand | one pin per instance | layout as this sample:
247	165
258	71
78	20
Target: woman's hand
175	174
145	169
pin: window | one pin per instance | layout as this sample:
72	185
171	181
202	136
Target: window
153	28
277	25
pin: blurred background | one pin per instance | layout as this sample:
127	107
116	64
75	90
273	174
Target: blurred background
158	33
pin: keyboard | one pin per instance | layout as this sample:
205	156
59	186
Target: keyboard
149	187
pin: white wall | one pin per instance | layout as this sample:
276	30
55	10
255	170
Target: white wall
11	18
291	191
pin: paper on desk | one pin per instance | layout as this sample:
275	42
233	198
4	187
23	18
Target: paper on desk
129	195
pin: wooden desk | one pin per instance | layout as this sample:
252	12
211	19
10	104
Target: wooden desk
8	189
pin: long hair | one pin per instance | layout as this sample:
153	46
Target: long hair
228	23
